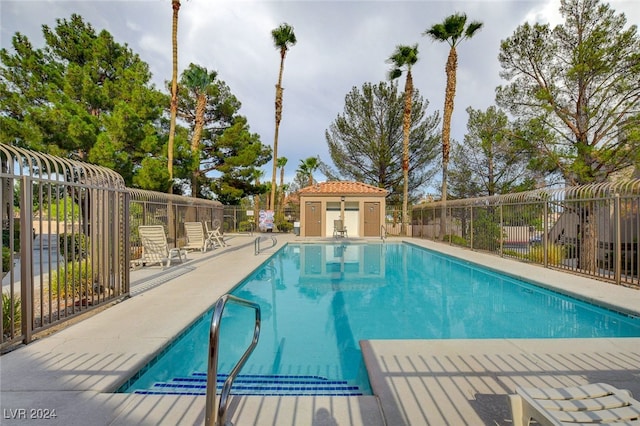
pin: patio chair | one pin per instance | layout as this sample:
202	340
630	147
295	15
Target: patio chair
155	248
339	230
596	403
196	239
215	237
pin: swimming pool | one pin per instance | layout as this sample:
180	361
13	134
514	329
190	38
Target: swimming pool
319	300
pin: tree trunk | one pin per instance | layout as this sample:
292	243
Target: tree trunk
201	104
256	203
406	127
282	190
450	93
443	214
272	198
175	5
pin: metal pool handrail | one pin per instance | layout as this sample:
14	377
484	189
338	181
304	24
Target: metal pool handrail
212	372
256	244
383	232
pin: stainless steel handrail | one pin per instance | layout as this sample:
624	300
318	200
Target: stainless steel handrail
212	372
256	244
383	232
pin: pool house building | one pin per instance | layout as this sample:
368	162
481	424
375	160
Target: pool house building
359	206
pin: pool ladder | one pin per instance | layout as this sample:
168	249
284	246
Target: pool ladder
256	244
218	417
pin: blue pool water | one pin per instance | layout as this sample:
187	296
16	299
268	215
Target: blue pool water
319	300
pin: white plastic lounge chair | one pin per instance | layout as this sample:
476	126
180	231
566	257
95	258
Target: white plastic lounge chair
215	237
155	248
196	239
597	403
339	229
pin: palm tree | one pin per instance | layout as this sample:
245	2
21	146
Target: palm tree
405	56
175	5
307	167
283	37
282	161
453	30
256	198
198	81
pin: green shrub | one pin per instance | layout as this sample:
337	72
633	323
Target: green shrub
16	236
515	253
457	240
245	226
75	279
62	209
7	316
486	230
76	246
555	256
6	258
285	226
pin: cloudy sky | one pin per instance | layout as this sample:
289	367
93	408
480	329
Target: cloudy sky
341	45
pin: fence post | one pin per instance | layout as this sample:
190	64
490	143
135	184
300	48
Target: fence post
126	218
26	258
450	233
545	233
618	240
501	232
471	228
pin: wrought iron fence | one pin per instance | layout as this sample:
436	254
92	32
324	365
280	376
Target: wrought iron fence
242	219
171	211
64	226
69	232
591	230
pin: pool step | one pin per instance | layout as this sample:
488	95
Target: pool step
257	384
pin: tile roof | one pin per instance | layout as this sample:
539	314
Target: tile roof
340	187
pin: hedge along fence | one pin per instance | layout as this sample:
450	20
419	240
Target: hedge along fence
591	230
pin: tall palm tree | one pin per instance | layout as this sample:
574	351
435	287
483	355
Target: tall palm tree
198	81
282	161
405	57
453	30
283	38
258	174
307	167
175	5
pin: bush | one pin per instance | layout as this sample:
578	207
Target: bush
555	256
76	248
16	236
486	230
75	279
245	226
457	240
515	253
7	316
285	226
6	258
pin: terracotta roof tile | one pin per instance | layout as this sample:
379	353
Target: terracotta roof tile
340	187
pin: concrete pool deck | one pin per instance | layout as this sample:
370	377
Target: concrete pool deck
415	382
